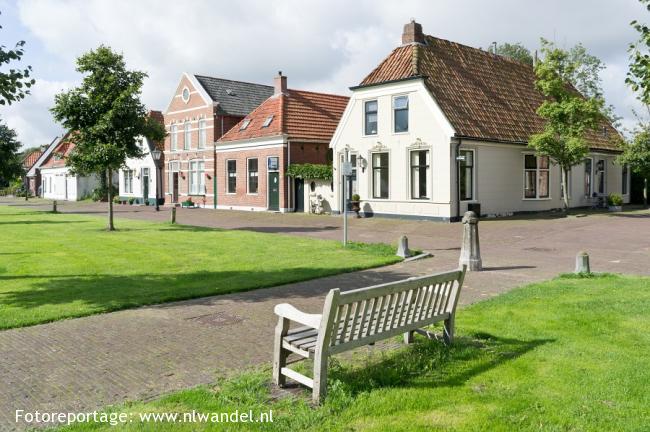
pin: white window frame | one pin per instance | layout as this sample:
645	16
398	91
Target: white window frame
372	175
537	171
248	176
203	133
127	178
595	167
408	114
473	198
591	177
173	136
228	178
363	114
410	174
187	135
196	166
189	94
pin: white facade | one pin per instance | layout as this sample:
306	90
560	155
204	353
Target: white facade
421	165
59	184
138	178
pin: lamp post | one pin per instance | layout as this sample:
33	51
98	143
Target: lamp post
157	154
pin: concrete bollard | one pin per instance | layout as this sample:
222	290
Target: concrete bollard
54	207
582	263
470	252
173	215
403	247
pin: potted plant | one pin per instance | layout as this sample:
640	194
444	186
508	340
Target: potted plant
615	202
131	201
355	202
188	203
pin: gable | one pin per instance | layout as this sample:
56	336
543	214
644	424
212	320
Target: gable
198	98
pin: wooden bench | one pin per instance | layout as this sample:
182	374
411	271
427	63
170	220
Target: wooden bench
360	317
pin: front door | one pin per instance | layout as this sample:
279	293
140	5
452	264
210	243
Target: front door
145	185
300	195
274	191
175	187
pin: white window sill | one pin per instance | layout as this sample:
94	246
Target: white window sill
537	199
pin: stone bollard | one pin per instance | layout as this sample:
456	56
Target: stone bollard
470	253
173	215
54	207
403	247
582	263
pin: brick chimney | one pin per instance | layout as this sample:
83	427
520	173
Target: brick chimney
280	84
412	33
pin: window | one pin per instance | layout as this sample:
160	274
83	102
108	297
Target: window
624	180
536	177
600	176
128	181
245	124
588	182
203	136
420	174
188	136
370	117
197	177
252	176
466	175
231	168
186	95
380	175
268	121
174	137
401	114
173	168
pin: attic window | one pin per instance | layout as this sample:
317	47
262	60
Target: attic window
604	131
230	92
268	121
245	124
186	95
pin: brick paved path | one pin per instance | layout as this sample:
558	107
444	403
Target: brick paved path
87	363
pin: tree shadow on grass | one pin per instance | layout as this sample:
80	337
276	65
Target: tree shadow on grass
430	363
41	222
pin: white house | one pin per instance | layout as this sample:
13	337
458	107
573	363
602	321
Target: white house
439	128
138	180
57	182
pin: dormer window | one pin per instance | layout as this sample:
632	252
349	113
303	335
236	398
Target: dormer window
245	124
268	121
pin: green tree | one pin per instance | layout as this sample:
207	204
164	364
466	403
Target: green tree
515	51
11	166
568	114
106	116
636	154
14	83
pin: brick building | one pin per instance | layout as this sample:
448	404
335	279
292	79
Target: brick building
200	112
290	127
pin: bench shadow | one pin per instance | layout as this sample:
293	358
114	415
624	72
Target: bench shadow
515	267
430	363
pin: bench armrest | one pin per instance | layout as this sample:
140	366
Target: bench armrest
285	310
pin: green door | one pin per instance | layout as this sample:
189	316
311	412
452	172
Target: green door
274	191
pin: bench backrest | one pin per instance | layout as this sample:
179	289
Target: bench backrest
359	317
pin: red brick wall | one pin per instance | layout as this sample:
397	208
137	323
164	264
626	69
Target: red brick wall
241	199
308	153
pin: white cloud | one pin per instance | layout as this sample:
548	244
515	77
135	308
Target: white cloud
320	45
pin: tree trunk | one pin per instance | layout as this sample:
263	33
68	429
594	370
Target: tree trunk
109	184
565	182
645	192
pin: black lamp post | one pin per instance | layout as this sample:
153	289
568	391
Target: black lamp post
157	154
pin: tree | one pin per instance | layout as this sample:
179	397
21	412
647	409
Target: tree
106	117
515	51
568	114
14	84
11	165
636	153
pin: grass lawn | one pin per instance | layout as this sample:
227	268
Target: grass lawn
568	354
55	266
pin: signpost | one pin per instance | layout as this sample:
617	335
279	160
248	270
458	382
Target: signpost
346	171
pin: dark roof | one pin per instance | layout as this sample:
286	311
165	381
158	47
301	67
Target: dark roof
235	97
297	113
484	96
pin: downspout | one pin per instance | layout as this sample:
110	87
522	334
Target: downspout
290	182
458	142
214	175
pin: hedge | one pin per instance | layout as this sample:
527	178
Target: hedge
310	171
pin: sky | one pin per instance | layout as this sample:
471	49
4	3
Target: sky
319	45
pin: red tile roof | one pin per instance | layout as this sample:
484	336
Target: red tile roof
299	114
484	96
31	158
57	158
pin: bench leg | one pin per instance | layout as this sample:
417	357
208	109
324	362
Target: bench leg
448	330
408	337
320	377
280	354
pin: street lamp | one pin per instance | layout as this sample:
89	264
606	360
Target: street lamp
157	154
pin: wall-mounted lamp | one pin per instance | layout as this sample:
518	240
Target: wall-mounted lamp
363	163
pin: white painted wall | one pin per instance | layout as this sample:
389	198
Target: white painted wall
138	165
58	184
322	188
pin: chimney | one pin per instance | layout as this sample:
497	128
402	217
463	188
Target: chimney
280	84
412	33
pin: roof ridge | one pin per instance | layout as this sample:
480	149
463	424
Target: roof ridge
481	51
415	57
318	93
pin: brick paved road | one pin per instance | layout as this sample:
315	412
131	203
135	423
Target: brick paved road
87	363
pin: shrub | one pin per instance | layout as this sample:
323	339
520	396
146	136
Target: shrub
131	200
614	200
355	197
101	193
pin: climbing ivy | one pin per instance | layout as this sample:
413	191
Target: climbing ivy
310	171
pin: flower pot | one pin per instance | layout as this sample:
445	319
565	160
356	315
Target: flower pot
615	208
356	207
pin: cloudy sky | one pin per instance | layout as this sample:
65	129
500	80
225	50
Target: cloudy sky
326	45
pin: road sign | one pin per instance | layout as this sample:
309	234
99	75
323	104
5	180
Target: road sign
346	169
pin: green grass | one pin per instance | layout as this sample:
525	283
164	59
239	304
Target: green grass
55	266
569	354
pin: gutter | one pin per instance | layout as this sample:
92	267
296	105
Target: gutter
363	86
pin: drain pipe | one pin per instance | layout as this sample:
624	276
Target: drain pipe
458	142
